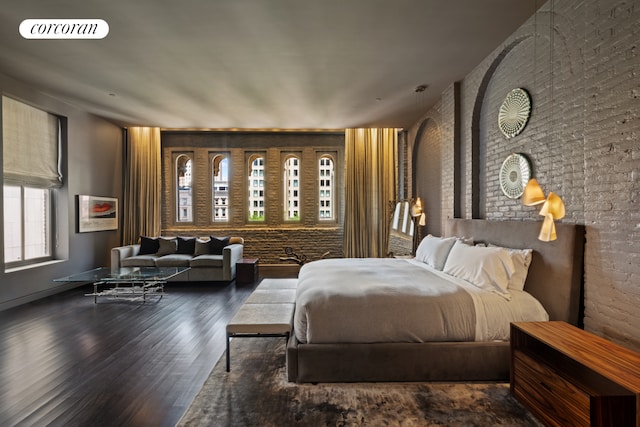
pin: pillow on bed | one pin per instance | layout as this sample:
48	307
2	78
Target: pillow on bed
433	251
521	261
467	240
486	268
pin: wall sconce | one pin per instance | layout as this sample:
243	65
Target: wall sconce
552	208
419	217
418	211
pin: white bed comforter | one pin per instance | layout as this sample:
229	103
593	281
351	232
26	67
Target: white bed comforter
368	300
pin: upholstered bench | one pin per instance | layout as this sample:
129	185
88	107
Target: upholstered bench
260	320
278	284
267	312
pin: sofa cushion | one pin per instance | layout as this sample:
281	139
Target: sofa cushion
148	245
139	261
186	245
206	261
174	260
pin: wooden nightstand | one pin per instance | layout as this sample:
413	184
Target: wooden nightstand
569	377
247	270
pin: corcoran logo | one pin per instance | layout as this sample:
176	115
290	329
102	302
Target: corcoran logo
64	29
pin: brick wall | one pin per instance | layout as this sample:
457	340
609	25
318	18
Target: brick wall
428	182
265	240
582	140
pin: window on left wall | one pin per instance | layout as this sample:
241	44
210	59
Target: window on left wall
184	194
31	175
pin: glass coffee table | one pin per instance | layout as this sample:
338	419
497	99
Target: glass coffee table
126	282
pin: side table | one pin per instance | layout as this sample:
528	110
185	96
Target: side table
247	270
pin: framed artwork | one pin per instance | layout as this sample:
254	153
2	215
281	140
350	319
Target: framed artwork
97	213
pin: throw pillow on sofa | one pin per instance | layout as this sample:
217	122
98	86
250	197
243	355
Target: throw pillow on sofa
148	245
186	245
201	247
167	246
216	245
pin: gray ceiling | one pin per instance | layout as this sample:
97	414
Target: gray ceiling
286	64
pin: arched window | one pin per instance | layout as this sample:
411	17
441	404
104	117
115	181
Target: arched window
292	187
220	188
256	188
184	198
326	193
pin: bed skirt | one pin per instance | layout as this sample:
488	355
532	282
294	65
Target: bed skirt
384	362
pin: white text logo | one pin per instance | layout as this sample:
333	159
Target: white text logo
64	29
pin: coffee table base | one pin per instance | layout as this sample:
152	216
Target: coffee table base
132	291
125	282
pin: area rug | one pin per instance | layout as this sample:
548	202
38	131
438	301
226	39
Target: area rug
256	393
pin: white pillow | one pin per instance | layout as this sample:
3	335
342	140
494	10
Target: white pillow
486	268
521	261
433	251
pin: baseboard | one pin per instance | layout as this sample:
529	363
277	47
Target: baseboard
39	295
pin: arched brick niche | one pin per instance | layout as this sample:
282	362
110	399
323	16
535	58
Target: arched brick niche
426	171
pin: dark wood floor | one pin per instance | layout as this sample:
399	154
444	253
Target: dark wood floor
65	361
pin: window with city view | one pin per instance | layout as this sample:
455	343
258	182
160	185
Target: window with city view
325	188
291	180
184	197
256	188
229	186
220	195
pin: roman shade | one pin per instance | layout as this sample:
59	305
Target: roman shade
31	145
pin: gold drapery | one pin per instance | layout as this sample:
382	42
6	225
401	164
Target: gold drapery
142	184
370	183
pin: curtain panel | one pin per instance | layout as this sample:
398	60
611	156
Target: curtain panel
371	175
142	185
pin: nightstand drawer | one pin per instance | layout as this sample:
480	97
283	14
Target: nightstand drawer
556	401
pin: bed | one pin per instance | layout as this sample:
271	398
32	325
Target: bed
411	340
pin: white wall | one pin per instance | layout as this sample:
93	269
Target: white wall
92	163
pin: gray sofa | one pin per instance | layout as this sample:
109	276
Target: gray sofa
206	264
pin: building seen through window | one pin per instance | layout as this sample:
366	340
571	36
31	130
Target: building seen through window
256	189
220	194
291	188
185	197
325	188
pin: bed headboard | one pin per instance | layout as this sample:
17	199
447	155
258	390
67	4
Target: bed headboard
555	274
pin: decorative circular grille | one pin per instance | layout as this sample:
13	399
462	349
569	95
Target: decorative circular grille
514	175
514	112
